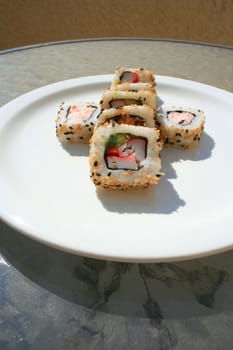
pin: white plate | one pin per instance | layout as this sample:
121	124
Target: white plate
46	192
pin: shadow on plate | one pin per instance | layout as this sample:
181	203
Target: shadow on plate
160	102
76	149
171	155
154	291
160	199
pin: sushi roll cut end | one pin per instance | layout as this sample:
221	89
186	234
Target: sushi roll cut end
130	76
181	127
75	122
125	157
120	98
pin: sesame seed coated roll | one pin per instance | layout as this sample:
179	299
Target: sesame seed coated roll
180	127
133	79
117	98
125	156
132	115
75	122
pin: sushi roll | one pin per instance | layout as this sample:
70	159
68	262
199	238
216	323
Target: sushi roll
75	122
117	99
133	79
132	87
180	127
125	156
132	115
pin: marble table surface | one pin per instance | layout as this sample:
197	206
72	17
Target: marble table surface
50	299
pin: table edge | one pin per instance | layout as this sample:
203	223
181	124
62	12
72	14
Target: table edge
84	40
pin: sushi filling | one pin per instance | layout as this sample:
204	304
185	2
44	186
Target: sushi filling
75	112
180	117
125	151
123	102
129	119
129	77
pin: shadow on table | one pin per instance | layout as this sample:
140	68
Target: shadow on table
154	291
